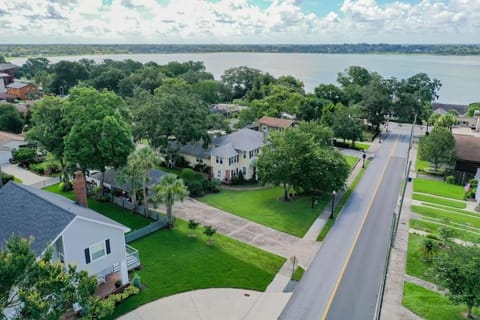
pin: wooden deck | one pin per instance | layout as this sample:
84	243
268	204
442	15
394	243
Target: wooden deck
107	288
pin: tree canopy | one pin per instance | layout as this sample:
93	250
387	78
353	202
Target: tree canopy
438	147
99	137
458	270
294	159
10	119
33	288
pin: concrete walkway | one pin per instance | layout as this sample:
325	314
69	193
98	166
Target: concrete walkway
213	304
27	177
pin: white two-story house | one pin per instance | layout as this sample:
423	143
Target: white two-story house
228	155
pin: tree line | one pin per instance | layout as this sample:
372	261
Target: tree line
26	50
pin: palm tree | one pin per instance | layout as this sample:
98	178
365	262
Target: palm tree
145	159
168	191
131	174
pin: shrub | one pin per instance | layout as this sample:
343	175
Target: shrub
6	177
24	156
450	179
473	183
136	280
470	194
118	283
119	297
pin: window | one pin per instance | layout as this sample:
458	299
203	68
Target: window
219	173
244	154
244	170
97	251
264	128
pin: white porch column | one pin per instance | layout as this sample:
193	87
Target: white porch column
124	271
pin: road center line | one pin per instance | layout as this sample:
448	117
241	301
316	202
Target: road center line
357	236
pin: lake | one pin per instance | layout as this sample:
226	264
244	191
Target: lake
460	75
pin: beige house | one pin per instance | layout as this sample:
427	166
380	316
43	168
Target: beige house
228	155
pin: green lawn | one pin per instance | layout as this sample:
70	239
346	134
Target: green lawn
108	209
351	160
464	218
440	201
431	305
173	262
416	266
421	165
438	188
297	275
267	207
459	232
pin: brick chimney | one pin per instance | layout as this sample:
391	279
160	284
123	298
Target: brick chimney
80	188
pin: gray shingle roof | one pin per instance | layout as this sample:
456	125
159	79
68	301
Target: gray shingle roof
225	151
243	140
111	178
27	211
194	149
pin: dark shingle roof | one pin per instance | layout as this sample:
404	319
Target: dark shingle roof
467	147
26	211
7	66
111	178
460	108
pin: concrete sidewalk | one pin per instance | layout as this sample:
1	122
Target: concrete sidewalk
213	304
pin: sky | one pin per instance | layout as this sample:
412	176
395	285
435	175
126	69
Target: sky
240	21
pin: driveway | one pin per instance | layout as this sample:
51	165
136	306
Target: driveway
213	304
26	176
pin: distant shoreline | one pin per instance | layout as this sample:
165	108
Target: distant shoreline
51	50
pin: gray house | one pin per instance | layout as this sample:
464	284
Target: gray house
77	235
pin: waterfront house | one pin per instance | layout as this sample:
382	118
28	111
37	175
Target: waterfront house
21	90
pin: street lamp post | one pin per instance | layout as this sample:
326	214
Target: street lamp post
333	203
364	156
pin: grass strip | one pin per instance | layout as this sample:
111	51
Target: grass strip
434	227
438	188
297	275
440	201
461	218
431	305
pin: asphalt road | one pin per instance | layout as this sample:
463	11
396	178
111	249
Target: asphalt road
343	280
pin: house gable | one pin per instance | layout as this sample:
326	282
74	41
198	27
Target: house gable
30	212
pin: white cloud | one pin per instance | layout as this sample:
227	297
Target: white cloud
236	21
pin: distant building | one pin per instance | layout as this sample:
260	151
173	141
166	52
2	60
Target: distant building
21	90
228	110
9	70
468	152
443	108
267	124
